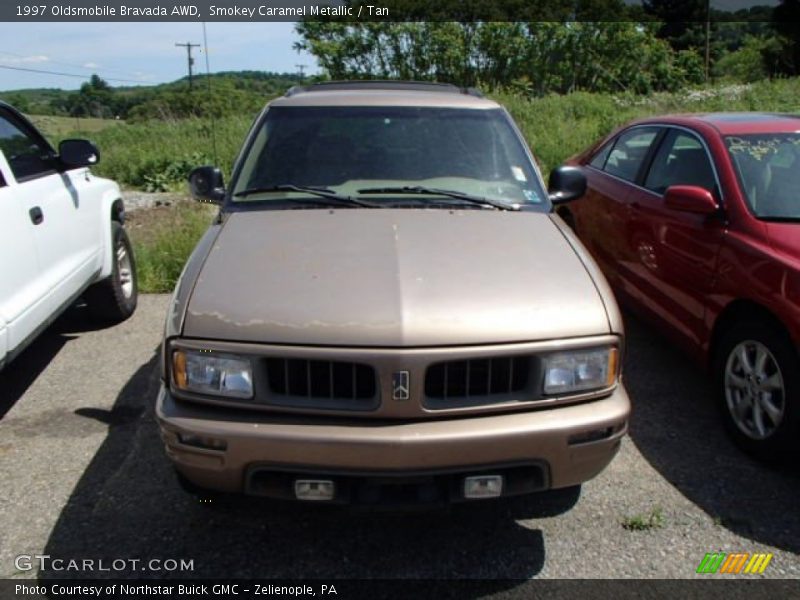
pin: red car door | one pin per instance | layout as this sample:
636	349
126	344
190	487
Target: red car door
602	213
673	253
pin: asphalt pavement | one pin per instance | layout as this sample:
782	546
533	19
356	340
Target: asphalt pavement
84	476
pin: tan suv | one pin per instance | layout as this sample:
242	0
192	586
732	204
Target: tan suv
388	311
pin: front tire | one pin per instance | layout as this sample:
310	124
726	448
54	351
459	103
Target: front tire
114	299
757	373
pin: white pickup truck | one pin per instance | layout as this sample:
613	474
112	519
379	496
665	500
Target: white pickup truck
61	235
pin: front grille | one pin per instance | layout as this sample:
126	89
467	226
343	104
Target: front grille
477	377
322	379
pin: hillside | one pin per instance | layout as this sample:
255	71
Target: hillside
230	90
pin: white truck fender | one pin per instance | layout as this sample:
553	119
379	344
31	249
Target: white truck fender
111	209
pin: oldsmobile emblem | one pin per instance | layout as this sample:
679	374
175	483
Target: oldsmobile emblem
400	385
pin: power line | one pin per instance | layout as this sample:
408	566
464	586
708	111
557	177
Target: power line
73	65
28	70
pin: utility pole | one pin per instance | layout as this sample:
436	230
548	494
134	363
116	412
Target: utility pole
301	68
189	58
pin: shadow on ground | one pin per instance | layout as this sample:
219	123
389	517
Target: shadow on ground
20	373
128	504
675	425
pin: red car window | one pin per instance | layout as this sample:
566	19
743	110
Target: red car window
681	160
629	152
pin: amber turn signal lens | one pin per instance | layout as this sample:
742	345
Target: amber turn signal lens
613	366
179	368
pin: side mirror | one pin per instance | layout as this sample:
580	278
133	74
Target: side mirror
566	184
78	153
207	185
691	199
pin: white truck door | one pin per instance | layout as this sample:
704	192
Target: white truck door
21	288
53	206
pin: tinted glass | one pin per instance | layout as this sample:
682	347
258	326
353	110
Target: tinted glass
599	160
629	153
768	166
681	160
25	155
350	148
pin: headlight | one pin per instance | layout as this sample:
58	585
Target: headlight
580	370
208	373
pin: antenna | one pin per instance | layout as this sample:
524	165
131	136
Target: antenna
208	80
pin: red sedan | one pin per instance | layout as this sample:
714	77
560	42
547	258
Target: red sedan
695	221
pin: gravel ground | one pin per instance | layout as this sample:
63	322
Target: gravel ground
136	200
84	475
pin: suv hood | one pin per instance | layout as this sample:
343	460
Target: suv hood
392	278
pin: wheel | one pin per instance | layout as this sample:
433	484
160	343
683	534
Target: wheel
114	298
757	373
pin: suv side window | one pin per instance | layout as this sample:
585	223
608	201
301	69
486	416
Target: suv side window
629	152
681	160
26	156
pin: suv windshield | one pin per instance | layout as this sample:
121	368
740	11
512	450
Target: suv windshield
768	166
378	153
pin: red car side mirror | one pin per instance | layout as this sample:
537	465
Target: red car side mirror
690	198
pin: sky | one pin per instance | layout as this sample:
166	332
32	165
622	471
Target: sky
140	52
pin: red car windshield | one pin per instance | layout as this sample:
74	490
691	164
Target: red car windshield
768	166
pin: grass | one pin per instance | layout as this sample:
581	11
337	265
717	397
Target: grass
157	155
645	521
162	238
56	128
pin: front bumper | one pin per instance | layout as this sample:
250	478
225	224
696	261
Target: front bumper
559	446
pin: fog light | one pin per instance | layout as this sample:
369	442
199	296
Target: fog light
199	441
314	489
483	486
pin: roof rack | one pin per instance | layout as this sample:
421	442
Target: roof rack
411	86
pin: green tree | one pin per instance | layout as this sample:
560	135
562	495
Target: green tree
93	100
785	56
539	57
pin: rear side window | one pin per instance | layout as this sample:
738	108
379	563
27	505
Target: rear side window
25	155
681	160
629	152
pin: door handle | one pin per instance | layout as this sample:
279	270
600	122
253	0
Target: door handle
36	214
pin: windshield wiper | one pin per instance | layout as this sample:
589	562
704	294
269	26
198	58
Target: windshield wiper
422	190
328	194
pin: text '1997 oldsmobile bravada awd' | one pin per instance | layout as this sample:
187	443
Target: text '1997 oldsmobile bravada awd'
388	311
